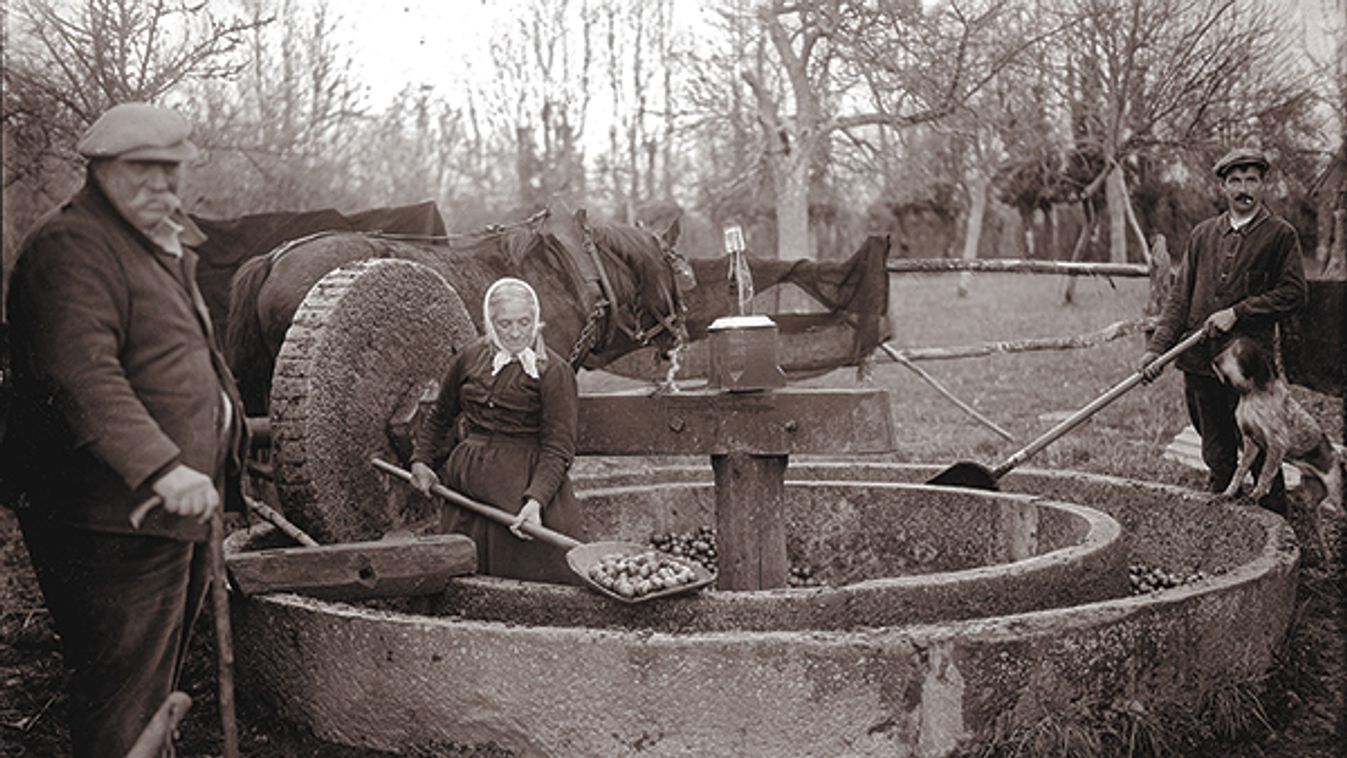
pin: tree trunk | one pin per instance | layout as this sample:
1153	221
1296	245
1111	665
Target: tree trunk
1050	233
526	167
1116	192
1161	278
1027	228
977	190
792	211
1087	230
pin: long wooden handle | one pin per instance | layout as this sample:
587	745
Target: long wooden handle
156	739
262	509
905	362
1081	415
224	641
224	638
280	522
482	509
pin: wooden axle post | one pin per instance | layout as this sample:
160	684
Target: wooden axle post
749	437
750	521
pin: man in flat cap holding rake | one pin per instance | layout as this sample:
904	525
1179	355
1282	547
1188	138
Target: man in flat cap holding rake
1241	273
120	396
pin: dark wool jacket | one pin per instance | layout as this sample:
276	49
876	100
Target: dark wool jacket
116	374
1256	270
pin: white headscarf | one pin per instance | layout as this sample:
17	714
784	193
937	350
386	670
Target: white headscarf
532	358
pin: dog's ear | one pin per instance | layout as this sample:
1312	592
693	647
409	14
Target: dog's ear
1256	364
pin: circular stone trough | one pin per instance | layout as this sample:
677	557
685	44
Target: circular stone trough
888	554
894	660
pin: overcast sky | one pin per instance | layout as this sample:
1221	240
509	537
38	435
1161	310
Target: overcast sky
427	41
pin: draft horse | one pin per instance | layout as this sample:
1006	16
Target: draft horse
605	289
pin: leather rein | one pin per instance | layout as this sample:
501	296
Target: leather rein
602	311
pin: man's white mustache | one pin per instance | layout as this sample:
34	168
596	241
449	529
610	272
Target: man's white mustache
167	198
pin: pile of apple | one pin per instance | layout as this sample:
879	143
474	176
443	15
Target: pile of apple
633	576
698	545
1146	578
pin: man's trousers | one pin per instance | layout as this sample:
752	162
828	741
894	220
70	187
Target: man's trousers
124	606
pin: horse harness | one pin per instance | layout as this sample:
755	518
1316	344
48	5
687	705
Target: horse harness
601	311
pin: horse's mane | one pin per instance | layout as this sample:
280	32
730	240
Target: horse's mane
640	253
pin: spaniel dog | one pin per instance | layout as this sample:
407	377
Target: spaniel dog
1272	421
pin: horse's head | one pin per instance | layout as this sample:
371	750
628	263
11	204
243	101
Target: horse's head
648	278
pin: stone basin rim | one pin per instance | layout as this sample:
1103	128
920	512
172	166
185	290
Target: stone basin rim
1098	536
1101	530
1279	551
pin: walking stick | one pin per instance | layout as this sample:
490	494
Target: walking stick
224	638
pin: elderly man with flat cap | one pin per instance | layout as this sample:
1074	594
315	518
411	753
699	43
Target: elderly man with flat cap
120	396
1241	273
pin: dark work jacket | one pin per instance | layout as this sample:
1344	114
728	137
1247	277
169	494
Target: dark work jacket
117	376
1256	270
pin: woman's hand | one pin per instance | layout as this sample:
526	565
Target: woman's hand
423	478
531	513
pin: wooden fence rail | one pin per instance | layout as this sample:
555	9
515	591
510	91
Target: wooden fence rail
1016	266
1090	339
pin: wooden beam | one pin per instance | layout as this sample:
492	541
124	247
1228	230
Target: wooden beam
1015	266
710	422
938	387
396	567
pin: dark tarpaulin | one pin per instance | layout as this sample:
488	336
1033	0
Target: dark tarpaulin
855	293
230	242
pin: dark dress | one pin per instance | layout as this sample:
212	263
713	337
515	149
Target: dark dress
515	439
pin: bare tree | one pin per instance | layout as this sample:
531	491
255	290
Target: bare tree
849	65
1162	76
639	57
64	64
537	96
414	151
723	136
77	61
283	132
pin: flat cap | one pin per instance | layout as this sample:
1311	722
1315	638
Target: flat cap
1240	156
138	132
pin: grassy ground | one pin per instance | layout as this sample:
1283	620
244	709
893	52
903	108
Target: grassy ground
1296	714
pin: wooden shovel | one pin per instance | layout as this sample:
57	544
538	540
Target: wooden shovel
580	556
976	476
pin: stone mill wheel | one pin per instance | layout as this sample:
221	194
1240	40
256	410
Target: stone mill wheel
370	341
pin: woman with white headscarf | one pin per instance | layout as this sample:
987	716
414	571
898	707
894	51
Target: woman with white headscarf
510	403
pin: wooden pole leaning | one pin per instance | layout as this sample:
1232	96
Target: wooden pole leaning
224	640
